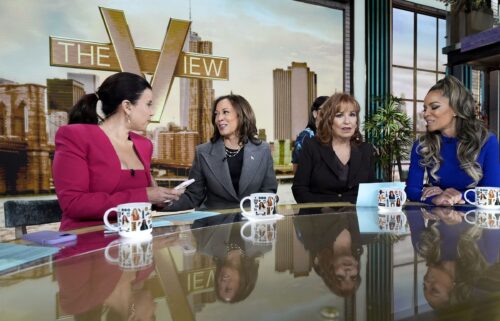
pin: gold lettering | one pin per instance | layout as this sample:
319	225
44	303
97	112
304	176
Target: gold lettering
80	54
208	70
210	279
185	65
99	56
198	280
66	45
191	65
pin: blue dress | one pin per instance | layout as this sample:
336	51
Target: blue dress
450	174
299	141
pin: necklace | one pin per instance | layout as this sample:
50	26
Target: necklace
230	153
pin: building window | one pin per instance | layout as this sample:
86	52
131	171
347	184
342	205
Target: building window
417	59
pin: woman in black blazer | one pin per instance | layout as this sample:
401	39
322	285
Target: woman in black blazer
336	160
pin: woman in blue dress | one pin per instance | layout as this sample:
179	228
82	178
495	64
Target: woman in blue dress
456	153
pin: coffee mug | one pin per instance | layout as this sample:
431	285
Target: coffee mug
132	255
260	232
133	220
392	222
486	197
484	218
261	204
391	199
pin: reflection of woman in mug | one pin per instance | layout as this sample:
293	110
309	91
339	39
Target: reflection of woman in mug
491	197
392	198
135	219
236	260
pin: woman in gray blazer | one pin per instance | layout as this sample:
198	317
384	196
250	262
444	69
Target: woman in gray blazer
234	164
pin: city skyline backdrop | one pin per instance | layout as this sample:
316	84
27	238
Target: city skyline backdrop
256	36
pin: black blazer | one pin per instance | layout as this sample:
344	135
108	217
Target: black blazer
317	177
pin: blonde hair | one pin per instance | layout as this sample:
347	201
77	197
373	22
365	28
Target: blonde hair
471	132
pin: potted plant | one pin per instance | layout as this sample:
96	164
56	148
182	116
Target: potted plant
390	130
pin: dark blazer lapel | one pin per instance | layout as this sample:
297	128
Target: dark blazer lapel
328	156
252	159
215	160
354	163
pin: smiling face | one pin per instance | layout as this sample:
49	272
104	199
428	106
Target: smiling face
438	114
345	122
141	112
226	119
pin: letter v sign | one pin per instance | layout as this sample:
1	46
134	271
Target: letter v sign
121	39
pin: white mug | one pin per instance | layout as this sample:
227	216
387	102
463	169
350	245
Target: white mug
132	255
260	232
392	222
484	218
391	199
261	204
134	220
486	197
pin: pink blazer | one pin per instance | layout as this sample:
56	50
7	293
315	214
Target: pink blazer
86	172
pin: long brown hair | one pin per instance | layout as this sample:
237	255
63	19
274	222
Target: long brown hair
472	133
332	106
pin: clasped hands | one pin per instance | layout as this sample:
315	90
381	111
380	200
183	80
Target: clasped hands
448	197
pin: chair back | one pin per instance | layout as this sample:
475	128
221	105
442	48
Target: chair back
19	214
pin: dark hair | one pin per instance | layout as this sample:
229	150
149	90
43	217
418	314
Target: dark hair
315	107
332	106
248	271
115	89
247	128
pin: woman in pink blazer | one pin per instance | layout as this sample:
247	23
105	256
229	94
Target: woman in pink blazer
101	165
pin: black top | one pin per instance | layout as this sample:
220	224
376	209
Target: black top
319	177
235	164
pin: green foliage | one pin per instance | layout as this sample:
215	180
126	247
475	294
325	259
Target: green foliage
390	130
468	4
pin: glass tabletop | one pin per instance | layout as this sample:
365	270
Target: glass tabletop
315	263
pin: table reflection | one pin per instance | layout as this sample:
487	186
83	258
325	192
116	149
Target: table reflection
422	262
334	244
458	255
91	286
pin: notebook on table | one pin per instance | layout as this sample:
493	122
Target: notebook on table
14	256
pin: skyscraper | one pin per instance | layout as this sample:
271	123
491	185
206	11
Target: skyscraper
294	91
62	94
201	95
89	81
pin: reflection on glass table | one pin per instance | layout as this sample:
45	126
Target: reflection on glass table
314	264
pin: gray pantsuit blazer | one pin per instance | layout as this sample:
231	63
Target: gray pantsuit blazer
213	188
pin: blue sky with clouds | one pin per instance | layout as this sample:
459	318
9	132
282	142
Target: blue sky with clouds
257	36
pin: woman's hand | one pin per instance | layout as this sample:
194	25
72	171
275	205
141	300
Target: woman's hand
161	194
430	191
448	197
